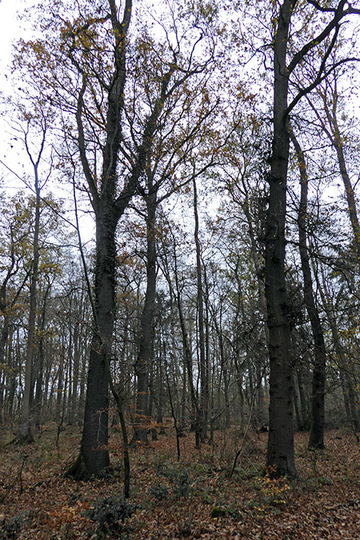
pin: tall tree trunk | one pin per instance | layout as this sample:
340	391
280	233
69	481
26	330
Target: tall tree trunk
109	206
280	455
60	397
317	426
202	419
76	371
161	391
94	459
40	363
188	366
142	365
26	433
12	379
4	337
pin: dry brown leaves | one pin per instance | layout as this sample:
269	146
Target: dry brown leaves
177	499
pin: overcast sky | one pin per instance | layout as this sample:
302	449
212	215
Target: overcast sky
9	29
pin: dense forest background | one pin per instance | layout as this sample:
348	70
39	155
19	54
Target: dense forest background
185	244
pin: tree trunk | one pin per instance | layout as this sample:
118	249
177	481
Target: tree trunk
94	455
76	371
353	405
337	141
142	365
60	385
4	337
93	459
11	381
26	433
40	366
317	426
280	455
345	369
304	409
202	419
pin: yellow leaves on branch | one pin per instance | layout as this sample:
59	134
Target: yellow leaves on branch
274	490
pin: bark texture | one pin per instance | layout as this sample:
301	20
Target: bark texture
280	456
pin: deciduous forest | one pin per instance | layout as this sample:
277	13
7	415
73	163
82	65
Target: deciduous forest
179	270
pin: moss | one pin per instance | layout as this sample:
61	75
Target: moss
218	511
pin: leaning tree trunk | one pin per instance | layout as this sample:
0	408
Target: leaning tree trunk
337	141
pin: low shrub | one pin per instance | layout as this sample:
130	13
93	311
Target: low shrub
110	513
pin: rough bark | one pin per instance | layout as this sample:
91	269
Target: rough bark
94	455
109	207
280	455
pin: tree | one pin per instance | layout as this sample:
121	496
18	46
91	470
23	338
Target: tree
203	412
15	245
331	102
121	125
318	386
26	427
167	174
280	456
108	207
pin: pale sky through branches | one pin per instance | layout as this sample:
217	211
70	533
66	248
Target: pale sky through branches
9	30
12	29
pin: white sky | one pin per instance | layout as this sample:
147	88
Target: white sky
9	30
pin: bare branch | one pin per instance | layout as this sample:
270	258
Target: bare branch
320	8
304	91
81	142
298	57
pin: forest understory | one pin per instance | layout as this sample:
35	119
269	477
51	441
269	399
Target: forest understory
194	497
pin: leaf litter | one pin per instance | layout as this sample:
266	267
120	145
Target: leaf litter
191	498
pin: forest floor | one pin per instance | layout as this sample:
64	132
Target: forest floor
190	498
